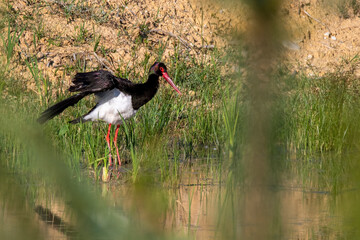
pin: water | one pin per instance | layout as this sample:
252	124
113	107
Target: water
309	215
192	210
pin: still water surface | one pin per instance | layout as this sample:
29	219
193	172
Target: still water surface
192	208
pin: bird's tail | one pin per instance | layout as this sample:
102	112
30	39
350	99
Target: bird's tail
77	120
60	107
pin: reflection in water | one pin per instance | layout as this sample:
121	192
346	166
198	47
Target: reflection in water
309	215
191	210
56	222
305	215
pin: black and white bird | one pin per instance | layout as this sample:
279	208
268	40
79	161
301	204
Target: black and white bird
117	98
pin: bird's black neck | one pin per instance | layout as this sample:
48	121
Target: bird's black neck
145	91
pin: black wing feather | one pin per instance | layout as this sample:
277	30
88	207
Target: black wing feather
60	107
92	82
98	81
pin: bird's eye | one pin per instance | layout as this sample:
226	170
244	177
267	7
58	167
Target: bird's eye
162	69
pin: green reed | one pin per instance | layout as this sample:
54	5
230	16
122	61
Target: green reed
11	41
320	126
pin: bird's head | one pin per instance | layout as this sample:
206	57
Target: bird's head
160	69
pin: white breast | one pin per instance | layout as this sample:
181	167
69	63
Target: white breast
112	105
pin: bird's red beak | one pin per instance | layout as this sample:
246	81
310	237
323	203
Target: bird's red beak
168	79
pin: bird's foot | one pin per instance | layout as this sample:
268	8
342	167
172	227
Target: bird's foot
109	172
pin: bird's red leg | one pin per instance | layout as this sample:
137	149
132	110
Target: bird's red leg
108	143
117	150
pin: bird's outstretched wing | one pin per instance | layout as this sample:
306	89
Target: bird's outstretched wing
86	84
98	81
